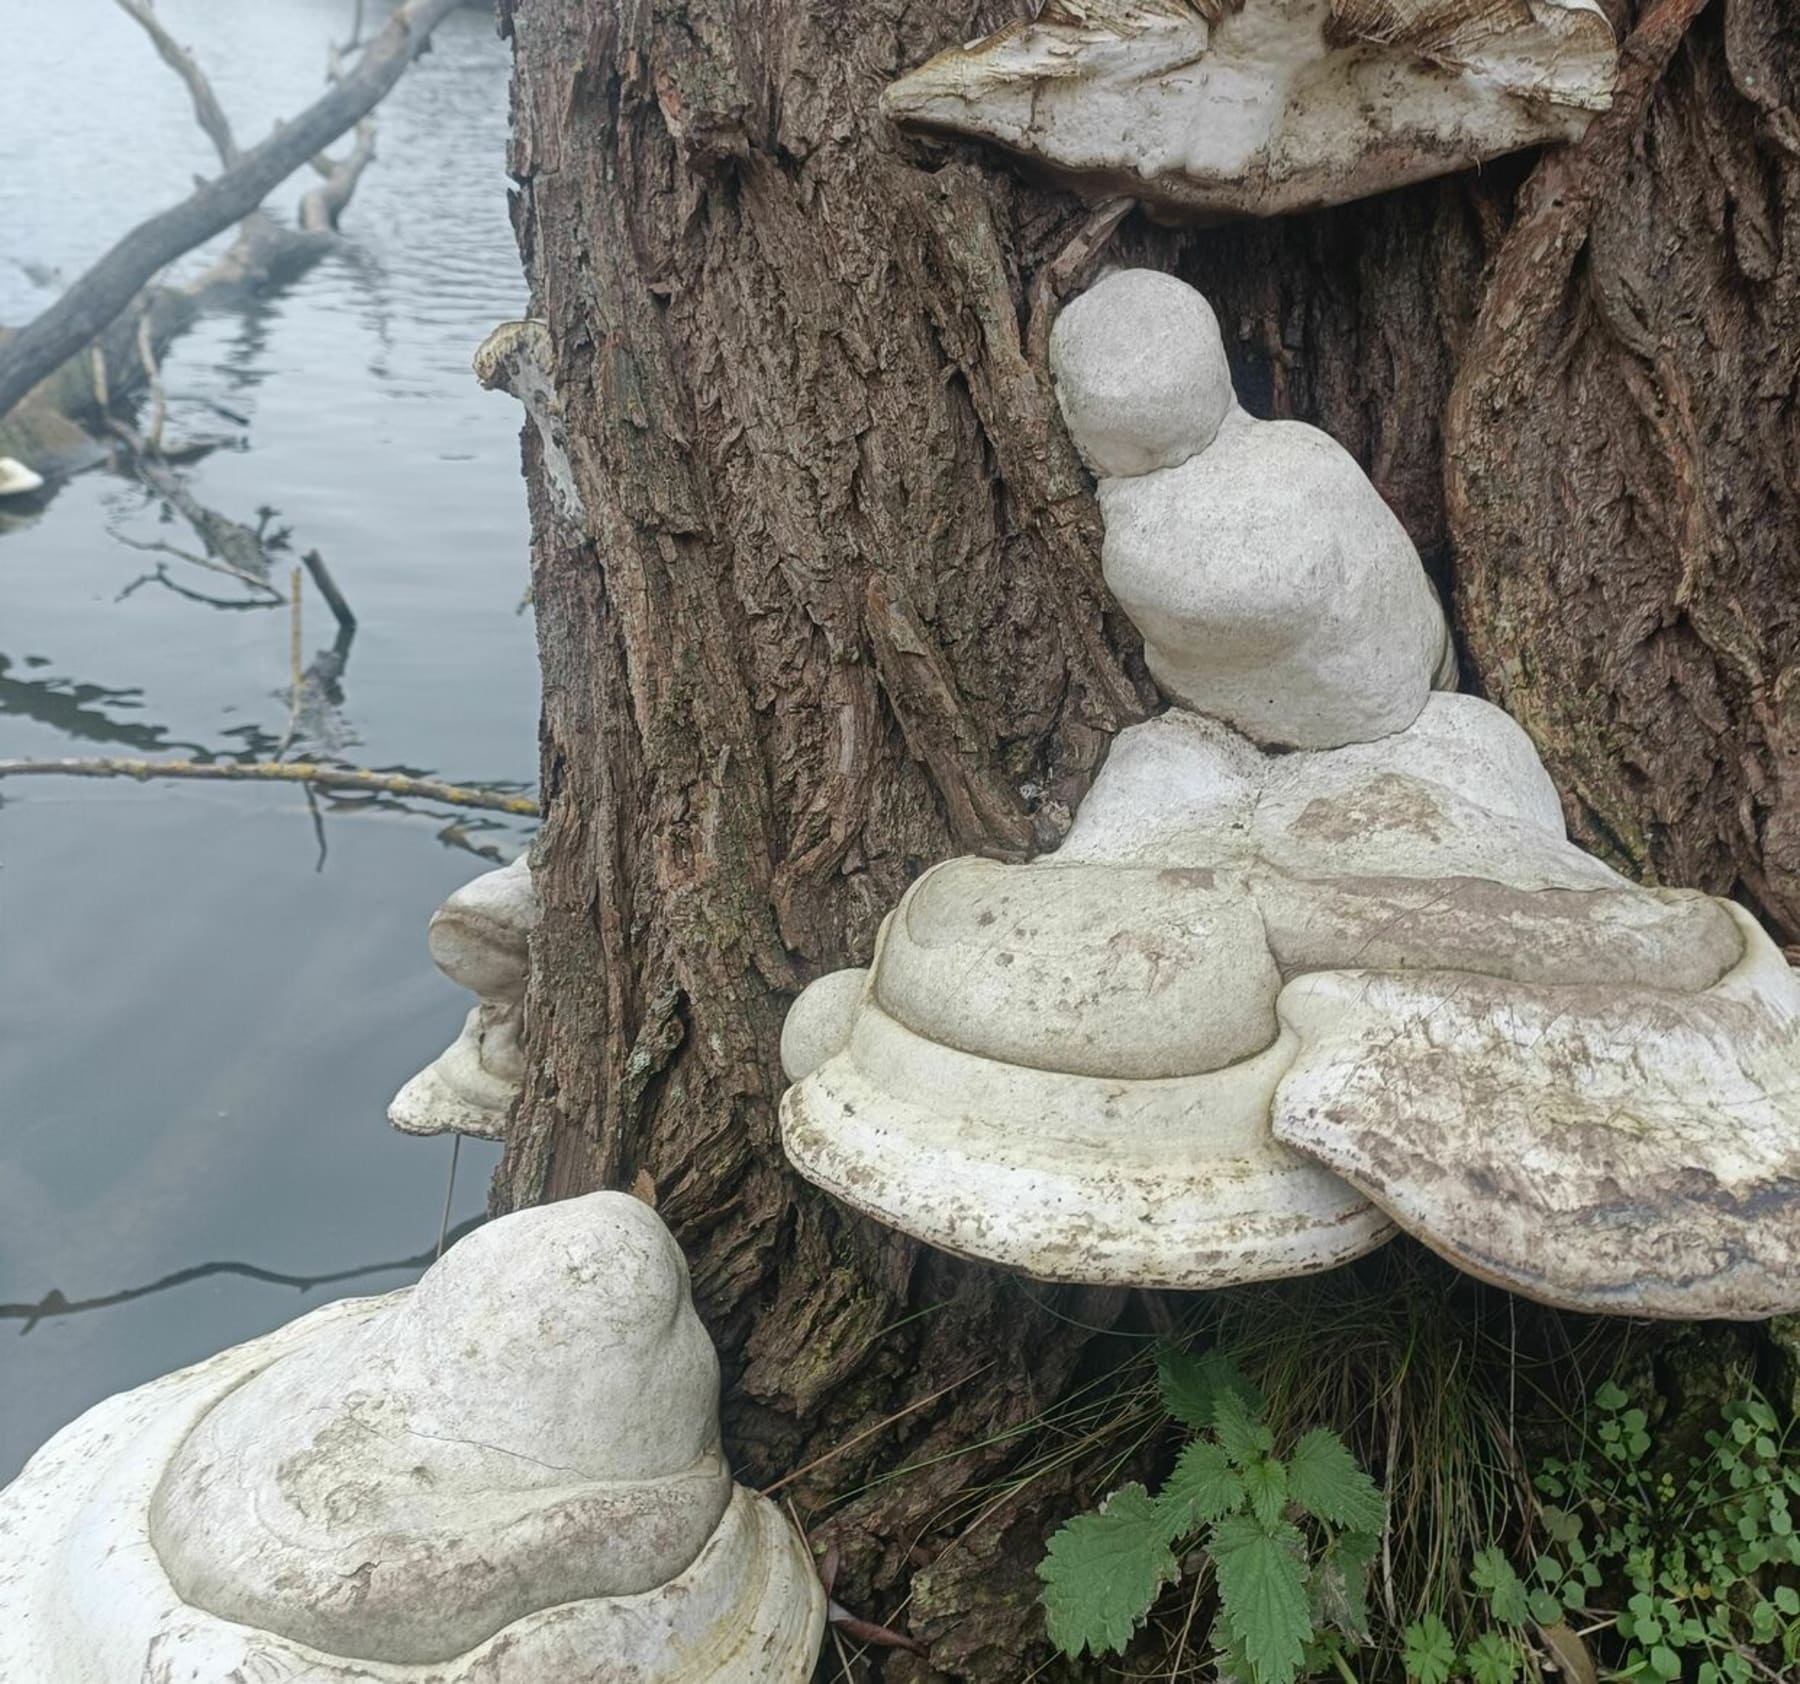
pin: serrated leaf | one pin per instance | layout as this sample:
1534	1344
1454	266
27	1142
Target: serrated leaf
1323	1479
1262	1594
1202	1488
1492	1574
1340	1582
1492	1659
1103	1570
1241	1436
1428	1651
1191	1385
1229	1665
1266	1485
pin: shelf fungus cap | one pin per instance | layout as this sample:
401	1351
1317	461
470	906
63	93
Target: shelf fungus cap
1208	108
1633	1150
479	938
16	480
818	1023
508	1475
1068	1071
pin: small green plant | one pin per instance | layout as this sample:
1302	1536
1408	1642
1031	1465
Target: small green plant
1692	1576
1496	1655
1288	1538
1708	1560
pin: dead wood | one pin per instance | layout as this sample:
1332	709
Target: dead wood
96	300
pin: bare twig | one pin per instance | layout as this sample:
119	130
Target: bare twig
156	546
321	207
207	111
53	1304
234	547
282	771
298	676
328	588
158	405
159	575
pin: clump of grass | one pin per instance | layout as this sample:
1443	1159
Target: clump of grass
1445	1389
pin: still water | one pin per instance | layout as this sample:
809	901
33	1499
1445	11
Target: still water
206	999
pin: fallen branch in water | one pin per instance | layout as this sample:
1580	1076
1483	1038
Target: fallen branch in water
98	297
289	772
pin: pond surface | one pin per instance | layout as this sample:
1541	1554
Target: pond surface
206	997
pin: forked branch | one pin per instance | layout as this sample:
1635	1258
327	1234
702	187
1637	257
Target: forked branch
94	301
208	112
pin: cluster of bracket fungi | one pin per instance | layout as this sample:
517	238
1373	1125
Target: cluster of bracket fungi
1315	961
1316	957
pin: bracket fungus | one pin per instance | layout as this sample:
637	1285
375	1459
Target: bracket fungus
479	938
1228	107
508	1474
17	480
1316	956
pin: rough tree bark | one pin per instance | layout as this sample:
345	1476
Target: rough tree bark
829	609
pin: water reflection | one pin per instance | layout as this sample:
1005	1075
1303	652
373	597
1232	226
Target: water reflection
67	705
201	1030
54	1305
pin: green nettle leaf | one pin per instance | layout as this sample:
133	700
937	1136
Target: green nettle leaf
1102	1572
1323	1478
1266	1483
1241	1436
1492	1574
1428	1651
1203	1487
1191	1385
1262	1594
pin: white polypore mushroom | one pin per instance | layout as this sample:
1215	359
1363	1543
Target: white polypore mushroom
1136	400
818	1023
1378	949
16	479
508	1475
479	938
1208	107
1069	1070
1628	1149
1274	588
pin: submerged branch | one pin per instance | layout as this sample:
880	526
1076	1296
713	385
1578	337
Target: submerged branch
321	206
292	772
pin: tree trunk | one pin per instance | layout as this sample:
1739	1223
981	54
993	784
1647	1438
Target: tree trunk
826	607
